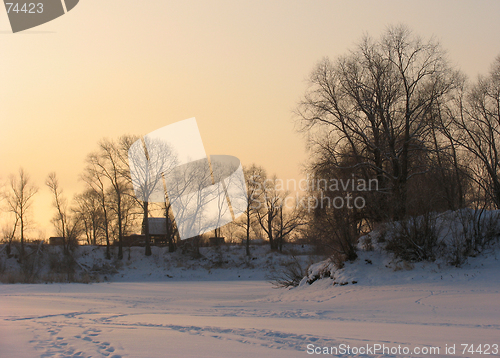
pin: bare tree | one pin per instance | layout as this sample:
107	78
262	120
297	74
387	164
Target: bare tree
289	220
109	164
252	178
59	203
190	188
372	108
148	159
19	199
9	233
268	203
108	161
95	179
478	124
170	227
89	212
451	171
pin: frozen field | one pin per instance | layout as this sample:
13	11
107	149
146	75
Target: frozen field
165	306
247	318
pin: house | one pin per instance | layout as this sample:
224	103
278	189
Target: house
215	241
157	231
157	226
134	240
157	234
56	240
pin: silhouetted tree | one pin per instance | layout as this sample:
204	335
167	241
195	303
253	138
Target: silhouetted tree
64	228
19	198
149	160
372	109
478	127
89	211
252	180
95	179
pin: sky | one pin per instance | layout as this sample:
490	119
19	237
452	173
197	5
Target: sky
109	68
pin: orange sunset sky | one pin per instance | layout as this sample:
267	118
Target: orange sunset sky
111	67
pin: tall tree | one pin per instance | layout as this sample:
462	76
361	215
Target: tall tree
252	179
95	179
19	199
149	160
89	211
478	124
371	108
109	163
268	206
59	203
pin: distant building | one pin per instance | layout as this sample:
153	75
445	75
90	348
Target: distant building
158	235
157	231
134	240
215	241
56	240
157	226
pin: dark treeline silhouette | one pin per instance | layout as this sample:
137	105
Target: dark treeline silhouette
394	110
394	132
108	210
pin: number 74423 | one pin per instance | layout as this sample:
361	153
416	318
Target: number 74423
30	8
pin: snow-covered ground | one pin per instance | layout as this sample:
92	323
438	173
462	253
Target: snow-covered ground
226	263
222	305
427	306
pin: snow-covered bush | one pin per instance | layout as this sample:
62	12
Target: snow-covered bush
63	264
321	270
289	275
415	239
452	236
472	231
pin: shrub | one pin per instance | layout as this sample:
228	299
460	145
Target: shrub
477	229
415	239
289	275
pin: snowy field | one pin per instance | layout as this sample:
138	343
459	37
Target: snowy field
250	318
221	305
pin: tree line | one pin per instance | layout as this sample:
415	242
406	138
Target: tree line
392	110
109	209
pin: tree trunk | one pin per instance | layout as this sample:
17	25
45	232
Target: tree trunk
120	229
248	234
270	230
145	225
170	233
281	230
22	238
